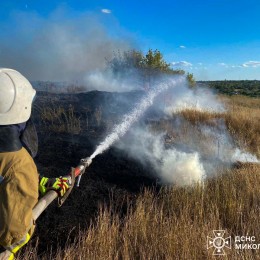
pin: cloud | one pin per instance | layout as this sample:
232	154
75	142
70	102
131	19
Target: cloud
200	63
252	64
181	64
236	66
106	11
222	64
182	47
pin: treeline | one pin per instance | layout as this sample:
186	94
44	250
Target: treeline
234	87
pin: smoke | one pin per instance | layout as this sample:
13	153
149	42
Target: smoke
182	168
241	156
179	151
128	120
202	99
187	160
171	165
104	80
60	47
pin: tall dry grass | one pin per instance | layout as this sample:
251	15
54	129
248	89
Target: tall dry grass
242	120
60	120
174	223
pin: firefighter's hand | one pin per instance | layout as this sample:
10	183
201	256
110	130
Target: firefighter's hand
60	185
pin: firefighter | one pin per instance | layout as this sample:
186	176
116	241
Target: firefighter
19	180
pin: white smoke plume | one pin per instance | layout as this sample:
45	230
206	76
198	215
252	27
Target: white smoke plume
171	165
184	163
104	80
202	99
191	153
182	168
60	47
242	156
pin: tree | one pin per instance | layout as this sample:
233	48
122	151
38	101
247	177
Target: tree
154	61
122	62
155	65
191	79
146	67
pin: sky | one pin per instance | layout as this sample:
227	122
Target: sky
213	39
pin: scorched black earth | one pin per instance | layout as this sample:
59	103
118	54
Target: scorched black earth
112	174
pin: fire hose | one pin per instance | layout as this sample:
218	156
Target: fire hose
51	195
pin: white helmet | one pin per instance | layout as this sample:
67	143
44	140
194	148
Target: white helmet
16	96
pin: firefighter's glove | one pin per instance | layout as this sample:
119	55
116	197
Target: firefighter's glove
60	185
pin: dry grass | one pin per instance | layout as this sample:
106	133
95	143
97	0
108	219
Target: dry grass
242	120
175	223
200	117
61	120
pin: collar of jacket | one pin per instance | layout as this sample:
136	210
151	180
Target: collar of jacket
9	139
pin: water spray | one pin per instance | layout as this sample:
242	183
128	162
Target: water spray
119	131
128	120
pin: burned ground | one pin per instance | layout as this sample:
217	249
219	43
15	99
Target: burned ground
113	173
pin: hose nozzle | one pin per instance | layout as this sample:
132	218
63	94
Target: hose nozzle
86	161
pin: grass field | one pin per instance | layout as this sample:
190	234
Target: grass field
174	223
